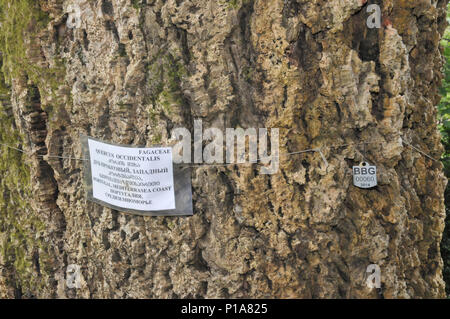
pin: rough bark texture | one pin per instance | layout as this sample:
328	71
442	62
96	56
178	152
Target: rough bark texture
135	70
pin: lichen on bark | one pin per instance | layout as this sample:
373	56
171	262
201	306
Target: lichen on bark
134	70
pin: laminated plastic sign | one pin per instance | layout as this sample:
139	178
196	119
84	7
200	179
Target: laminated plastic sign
365	176
136	180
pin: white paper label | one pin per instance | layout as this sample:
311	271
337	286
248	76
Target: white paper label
132	178
365	176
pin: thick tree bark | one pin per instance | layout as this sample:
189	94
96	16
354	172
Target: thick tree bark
134	70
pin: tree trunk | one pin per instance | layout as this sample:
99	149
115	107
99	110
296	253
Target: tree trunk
130	71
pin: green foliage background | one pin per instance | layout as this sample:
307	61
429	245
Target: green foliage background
444	126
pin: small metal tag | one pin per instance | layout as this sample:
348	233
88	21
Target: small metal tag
365	176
